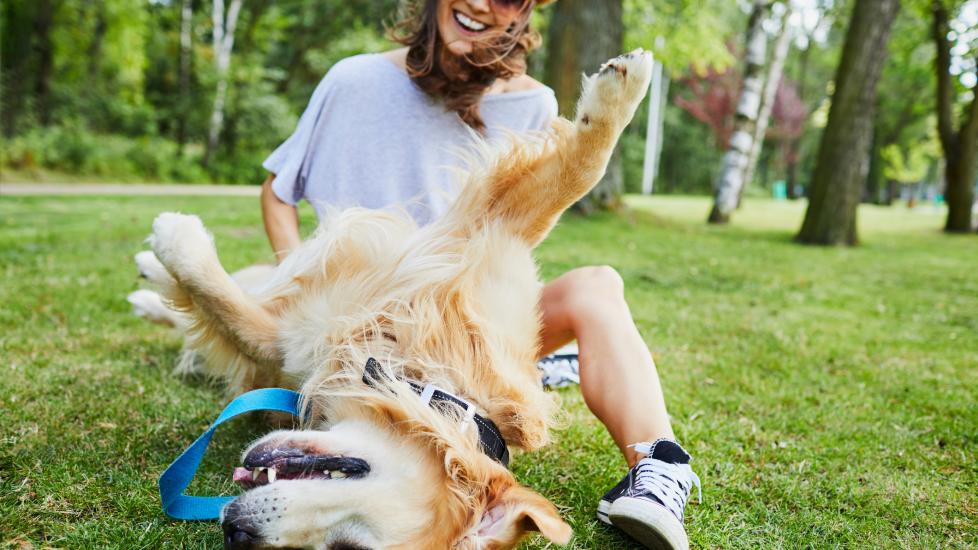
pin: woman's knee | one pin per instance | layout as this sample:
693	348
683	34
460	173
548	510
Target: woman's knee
594	289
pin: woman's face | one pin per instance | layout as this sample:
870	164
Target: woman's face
463	23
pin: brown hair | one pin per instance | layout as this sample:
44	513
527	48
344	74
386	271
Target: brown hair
460	82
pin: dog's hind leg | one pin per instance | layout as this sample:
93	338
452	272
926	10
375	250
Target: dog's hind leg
236	335
528	188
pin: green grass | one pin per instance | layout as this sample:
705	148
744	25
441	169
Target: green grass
827	395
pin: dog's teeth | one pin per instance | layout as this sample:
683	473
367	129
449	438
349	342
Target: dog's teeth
255	474
337	474
271	475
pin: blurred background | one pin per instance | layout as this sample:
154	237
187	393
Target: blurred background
200	91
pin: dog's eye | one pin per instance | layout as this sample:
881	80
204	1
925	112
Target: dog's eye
342	545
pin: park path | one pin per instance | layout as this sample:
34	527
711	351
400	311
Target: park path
130	189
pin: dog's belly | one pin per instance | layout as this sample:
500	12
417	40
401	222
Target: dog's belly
448	308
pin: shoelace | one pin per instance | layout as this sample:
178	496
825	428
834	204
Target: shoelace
670	483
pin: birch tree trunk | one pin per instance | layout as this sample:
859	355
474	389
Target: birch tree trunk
186	37
731	178
843	155
772	81
224	25
658	91
960	145
583	34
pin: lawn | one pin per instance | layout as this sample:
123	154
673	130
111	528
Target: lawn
829	396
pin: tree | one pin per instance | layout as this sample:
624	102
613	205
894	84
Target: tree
843	157
813	24
45	55
186	56
574	48
223	36
711	98
772	85
960	145
731	178
904	105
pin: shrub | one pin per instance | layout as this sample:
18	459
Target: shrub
74	149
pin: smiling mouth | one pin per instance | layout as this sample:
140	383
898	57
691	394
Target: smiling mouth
262	467
467	23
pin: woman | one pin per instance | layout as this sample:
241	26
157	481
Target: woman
379	131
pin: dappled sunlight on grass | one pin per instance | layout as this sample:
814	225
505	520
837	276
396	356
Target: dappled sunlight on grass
786	216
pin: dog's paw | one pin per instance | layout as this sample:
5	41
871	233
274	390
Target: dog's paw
611	96
148	305
151	269
180	242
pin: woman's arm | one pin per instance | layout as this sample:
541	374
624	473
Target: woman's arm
281	221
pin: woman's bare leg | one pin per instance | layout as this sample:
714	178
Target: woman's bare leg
618	377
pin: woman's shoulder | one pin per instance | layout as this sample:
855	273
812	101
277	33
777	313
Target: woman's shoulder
521	83
525	91
361	65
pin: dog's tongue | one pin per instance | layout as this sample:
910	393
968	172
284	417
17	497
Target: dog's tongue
242	476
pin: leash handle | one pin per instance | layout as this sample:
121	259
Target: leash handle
177	477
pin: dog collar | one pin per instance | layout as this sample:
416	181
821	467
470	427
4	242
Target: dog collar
490	438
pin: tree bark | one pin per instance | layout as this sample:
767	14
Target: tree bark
794	147
843	156
960	145
186	45
98	36
771	83
731	178
44	50
583	34
653	127
224	26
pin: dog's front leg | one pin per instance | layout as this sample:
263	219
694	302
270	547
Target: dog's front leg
227	325
528	189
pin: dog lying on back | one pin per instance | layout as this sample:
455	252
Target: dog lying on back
449	305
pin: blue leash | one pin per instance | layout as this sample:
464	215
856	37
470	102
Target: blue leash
177	477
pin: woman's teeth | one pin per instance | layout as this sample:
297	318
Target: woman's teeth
468	23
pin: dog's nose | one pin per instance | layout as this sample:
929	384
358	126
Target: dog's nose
239	534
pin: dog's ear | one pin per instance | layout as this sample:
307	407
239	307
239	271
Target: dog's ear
514	513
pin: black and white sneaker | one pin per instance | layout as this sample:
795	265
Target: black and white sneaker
648	503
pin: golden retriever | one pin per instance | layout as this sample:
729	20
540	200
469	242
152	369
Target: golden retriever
453	304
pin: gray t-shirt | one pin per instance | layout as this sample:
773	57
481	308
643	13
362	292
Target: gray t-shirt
371	138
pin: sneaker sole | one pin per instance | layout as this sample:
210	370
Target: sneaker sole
603	507
652	525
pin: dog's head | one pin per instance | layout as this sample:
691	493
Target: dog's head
392	474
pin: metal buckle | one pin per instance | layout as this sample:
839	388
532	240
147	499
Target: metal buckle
429	391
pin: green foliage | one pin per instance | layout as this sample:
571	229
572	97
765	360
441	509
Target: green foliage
72	148
360	39
116	75
910	165
684	33
690	157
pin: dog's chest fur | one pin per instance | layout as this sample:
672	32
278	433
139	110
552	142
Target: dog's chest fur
436	307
